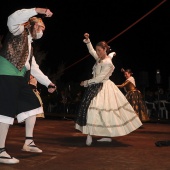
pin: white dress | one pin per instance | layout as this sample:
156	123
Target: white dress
109	113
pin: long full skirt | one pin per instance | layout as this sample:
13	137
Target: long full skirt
110	114
136	100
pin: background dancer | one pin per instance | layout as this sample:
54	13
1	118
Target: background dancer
134	96
33	85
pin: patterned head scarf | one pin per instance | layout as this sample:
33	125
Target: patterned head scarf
37	20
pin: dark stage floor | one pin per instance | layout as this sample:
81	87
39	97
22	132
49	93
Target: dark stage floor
64	148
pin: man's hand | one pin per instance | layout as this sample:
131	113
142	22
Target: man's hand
52	87
44	11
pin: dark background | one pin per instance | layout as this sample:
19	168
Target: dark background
142	46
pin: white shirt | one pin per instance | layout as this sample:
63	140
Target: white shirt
132	80
101	70
15	25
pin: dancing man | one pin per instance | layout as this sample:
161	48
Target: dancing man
16	58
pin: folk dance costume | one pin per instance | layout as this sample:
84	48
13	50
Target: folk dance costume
33	85
135	98
14	89
104	110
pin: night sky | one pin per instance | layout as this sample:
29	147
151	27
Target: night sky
143	47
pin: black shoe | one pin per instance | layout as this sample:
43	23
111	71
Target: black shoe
162	143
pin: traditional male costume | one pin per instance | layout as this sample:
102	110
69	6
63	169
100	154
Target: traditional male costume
14	62
17	100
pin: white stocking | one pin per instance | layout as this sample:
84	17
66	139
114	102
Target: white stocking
3	134
89	140
29	127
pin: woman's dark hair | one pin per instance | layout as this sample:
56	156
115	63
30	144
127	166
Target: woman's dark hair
127	70
104	45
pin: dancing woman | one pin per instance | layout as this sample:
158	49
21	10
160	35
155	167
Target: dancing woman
104	110
134	96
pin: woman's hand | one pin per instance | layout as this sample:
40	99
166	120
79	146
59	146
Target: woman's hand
86	35
82	83
122	70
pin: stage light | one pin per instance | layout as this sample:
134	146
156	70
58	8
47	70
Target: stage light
158	76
